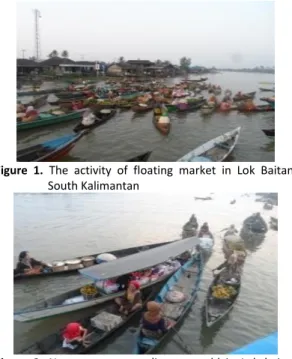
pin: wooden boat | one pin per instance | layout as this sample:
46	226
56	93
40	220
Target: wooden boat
207	110
119	253
163	128
48	119
69	94
100	326
39	92
191	106
73	301
266	90
244	96
216	150
217	309
37	102
141	158
187	281
102	117
269	133
49	151
142	108
260	108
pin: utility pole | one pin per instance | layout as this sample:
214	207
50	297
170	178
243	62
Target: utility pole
37	15
23	51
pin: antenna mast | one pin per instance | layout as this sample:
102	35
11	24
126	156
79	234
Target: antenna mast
37	15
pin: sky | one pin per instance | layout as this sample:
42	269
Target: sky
221	34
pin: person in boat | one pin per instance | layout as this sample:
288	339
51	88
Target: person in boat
212	101
249	105
88	118
132	300
193	221
230	231
123	281
184	257
239	94
256	223
205	231
229	269
20	107
28	265
74	335
153	325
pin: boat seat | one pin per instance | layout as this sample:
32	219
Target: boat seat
173	310
223	146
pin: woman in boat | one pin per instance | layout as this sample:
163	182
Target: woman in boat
74	335
88	118
28	265
132	300
153	325
205	231
231	268
230	231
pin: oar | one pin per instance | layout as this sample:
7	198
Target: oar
188	349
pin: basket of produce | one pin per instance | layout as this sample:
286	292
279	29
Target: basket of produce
89	291
88	261
222	292
58	266
73	264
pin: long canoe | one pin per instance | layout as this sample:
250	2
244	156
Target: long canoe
260	108
108	317
244	96
269	133
216	150
216	310
40	92
118	253
99	274
49	151
102	117
187	281
266	90
49	119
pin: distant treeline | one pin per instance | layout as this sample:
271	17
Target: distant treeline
256	69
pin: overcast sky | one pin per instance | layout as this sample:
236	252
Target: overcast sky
237	34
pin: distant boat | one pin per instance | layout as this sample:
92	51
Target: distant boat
141	158
215	150
269	133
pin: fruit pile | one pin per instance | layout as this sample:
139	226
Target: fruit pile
89	290
223	291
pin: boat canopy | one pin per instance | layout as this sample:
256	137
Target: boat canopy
138	261
264	346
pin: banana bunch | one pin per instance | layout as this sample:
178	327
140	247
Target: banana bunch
88	290
223	291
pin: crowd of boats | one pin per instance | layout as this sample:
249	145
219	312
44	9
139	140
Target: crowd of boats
158	282
94	106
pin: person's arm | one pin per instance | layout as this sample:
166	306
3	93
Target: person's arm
85	331
137	299
34	262
22	268
223	265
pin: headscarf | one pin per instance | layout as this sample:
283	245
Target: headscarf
153	313
135	284
72	331
23	259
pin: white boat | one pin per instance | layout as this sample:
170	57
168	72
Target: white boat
73	300
216	150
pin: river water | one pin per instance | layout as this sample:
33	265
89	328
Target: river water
62	226
128	134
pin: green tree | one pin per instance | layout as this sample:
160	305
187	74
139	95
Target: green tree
158	62
185	63
54	53
65	54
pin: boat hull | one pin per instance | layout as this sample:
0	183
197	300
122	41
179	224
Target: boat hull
37	314
23	126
